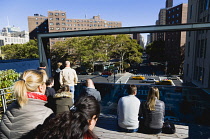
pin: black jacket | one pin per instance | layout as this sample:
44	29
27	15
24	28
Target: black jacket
153	119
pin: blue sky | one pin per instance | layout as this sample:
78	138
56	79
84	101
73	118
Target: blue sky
129	12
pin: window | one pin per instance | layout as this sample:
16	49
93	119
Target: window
63	28
57	23
63	19
63	23
51	28
191	8
51	18
63	14
51	23
36	18
56	14
188	53
37	23
57	28
57	18
50	13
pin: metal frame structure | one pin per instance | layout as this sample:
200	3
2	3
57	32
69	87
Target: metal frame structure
123	30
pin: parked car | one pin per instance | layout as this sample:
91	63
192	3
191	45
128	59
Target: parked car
106	73
164	82
138	77
83	73
96	73
149	80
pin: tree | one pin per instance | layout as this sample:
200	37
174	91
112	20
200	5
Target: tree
156	51
21	51
127	49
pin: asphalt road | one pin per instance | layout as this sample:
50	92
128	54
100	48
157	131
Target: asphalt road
98	78
110	79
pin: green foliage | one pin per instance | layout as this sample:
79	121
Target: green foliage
7	79
21	51
156	51
90	49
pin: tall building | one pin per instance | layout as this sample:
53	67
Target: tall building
162	21
175	41
139	38
169	3
56	21
197	62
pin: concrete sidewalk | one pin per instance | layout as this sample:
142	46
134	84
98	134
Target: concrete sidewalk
106	128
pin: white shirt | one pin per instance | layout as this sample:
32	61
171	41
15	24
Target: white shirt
128	110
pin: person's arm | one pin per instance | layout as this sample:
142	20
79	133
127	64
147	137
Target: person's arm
75	78
61	78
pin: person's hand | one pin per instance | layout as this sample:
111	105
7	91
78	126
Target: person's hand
89	83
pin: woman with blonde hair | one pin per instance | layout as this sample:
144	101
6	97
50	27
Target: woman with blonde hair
28	111
153	111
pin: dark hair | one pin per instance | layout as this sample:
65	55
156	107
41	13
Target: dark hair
49	81
64	88
42	64
72	124
131	89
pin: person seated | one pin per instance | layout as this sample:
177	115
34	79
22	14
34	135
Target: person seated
153	111
90	90
28	110
78	123
63	99
128	110
50	92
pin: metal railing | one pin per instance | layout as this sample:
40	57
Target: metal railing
7	97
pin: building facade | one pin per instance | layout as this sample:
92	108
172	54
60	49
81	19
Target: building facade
57	21
175	41
197	62
13	35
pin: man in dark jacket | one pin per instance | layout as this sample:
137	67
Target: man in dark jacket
90	90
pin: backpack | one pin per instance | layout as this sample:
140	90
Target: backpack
168	128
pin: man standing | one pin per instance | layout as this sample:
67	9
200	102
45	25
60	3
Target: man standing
128	110
68	77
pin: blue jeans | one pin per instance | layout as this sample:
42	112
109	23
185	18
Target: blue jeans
72	91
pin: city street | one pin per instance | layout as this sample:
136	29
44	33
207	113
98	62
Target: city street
124	79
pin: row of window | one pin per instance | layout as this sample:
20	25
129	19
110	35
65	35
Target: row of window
15	40
91	21
57	14
173	16
57	28
57	19
173	22
95	25
41	18
173	10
